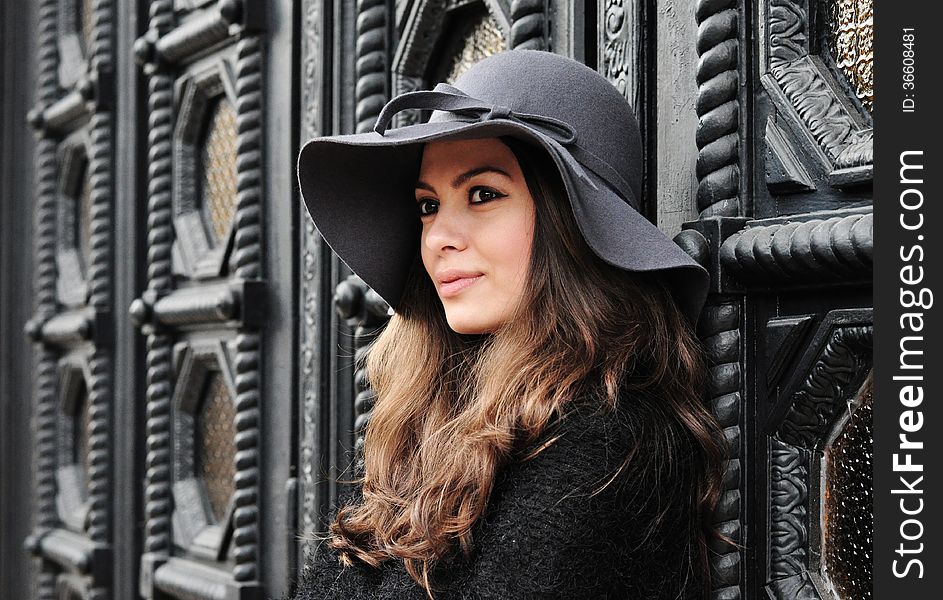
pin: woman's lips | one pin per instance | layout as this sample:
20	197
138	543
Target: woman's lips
447	290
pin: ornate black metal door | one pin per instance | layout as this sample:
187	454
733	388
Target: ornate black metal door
73	395
162	417
195	405
203	306
784	188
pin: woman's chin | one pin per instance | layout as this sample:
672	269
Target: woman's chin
470	328
469	321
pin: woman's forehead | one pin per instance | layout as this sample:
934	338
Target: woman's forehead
441	158
465	150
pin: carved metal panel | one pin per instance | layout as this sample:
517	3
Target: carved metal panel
483	38
625	55
621	47
819	133
203	307
73	430
786	230
73	220
204	452
326	377
819	476
846	28
72	539
204	170
439	39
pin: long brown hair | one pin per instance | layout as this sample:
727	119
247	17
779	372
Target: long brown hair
451	408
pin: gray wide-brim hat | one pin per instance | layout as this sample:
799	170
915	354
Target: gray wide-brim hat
359	188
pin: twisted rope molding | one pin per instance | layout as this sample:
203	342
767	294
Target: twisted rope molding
718	108
834	248
159	385
365	396
45	402
99	170
100	394
528	24
45	218
102	58
247	259
247	248
367	314
45	463
371	62
100	277
246	514
719	329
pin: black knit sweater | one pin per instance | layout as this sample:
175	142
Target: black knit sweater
544	536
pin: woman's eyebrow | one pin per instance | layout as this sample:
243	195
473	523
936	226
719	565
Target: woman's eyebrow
459	180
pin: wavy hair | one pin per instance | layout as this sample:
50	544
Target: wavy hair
452	409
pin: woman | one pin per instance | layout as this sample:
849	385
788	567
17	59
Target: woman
538	430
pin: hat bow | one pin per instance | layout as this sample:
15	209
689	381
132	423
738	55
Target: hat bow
445	97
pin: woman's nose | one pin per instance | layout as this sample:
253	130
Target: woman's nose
446	230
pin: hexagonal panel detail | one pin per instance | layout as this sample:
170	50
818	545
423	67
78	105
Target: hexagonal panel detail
75	21
71	586
205	172
447	38
218	164
86	18
83	220
81	427
847	517
847	28
204	448
74	224
216	446
73	432
484	39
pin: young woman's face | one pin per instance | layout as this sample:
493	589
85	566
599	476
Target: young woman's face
477	218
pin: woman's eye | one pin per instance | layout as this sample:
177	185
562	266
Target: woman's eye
486	195
426	207
477	195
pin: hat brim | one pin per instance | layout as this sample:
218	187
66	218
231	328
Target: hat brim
358	189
